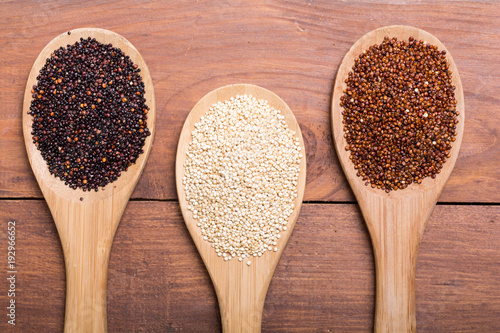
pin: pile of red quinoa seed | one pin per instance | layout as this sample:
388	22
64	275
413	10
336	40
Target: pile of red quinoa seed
89	114
399	113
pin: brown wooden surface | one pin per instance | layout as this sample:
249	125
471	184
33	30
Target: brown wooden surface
292	48
325	279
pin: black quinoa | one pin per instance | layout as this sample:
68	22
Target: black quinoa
89	114
399	113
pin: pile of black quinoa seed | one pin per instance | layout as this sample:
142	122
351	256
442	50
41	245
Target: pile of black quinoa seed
89	114
399	113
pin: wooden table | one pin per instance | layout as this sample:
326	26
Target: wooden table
325	279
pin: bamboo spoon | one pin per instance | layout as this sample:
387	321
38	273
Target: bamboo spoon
395	220
241	289
87	227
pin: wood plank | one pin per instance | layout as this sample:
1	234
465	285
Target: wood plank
290	47
324	281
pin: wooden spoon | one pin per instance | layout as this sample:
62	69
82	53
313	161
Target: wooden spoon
395	220
241	289
86	221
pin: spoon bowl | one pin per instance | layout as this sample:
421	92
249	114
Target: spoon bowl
86	221
241	289
395	220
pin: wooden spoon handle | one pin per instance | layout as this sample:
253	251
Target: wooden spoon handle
395	292
239	316
241	300
396	228
86	279
86	230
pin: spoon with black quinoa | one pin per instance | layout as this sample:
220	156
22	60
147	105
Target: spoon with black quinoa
397	120
88	119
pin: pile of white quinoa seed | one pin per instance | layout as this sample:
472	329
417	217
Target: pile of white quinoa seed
240	176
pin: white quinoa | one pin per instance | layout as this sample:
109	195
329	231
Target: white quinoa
240	178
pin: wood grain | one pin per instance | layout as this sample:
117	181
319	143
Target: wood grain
396	220
86	220
323	282
325	279
241	289
290	47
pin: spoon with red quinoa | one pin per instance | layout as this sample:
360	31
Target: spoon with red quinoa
397	120
88	116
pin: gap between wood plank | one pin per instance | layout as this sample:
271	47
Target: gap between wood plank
305	202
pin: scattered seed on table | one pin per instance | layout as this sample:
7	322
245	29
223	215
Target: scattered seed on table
240	176
399	113
87	132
